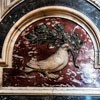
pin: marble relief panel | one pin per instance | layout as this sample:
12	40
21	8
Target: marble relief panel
38	46
52	51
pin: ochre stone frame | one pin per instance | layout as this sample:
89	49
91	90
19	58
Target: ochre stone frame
50	11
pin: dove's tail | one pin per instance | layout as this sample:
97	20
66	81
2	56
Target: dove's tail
32	66
29	69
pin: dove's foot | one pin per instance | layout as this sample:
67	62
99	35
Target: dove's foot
50	75
54	76
27	70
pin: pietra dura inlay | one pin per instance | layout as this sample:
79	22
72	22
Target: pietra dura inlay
41	40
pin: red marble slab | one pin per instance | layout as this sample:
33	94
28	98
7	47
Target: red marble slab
70	76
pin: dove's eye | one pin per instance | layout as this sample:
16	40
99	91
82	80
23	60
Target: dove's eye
65	46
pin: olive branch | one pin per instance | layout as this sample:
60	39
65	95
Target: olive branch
55	36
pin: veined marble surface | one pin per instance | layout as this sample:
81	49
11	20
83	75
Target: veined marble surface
4	4
68	76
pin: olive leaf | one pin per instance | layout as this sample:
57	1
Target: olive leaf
80	44
51	42
41	41
74	39
42	38
76	42
65	37
41	29
58	43
31	37
59	27
53	34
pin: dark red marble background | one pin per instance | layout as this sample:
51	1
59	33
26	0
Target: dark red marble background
24	51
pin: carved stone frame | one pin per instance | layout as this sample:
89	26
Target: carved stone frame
50	11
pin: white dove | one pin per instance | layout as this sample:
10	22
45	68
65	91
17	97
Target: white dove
54	63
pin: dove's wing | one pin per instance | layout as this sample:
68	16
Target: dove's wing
50	63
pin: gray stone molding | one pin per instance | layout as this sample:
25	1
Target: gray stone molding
3	5
95	3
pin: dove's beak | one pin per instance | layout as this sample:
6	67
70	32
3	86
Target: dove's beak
66	47
69	49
